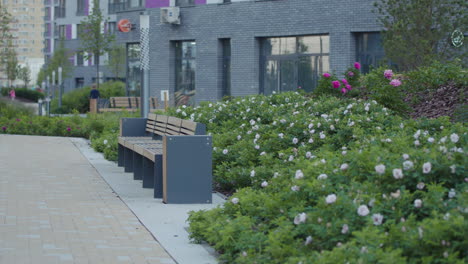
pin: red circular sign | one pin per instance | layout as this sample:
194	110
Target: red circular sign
124	25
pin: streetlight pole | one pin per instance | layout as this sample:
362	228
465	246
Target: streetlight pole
60	86
144	63
53	83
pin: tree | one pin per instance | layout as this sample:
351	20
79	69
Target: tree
11	63
415	32
24	74
116	61
60	58
94	40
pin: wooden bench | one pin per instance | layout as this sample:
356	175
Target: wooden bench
116	104
169	154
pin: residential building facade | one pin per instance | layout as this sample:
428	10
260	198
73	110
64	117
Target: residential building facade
62	23
27	30
237	48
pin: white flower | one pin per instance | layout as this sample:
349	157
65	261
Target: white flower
308	240
431	140
395	194
418	203
322	135
252	122
262	153
308	154
244	254
416	143
427	167
235	200
295	140
257	136
291	158
225	151
239	137
105	141
343	152
420	185
351	123
371	203
330	199
344	166
453	168
322	176
323	161
300	218
454	138
299	174
417	134
407	165
377	219
344	229
380	169
281	135
252	173
405	156
311	140
332	127
311	126
295	188
446	254
178	110
452	193
397	173
366	108
363	210
264	184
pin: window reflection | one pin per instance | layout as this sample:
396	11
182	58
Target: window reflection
185	72
133	69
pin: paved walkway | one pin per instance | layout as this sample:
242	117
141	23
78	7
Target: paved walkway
56	208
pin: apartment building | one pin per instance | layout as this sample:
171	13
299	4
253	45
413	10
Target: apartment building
205	49
27	30
62	23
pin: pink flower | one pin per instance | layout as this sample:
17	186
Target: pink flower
336	84
395	82
326	75
4	128
350	74
68	129
357	65
344	81
343	90
388	74
349	87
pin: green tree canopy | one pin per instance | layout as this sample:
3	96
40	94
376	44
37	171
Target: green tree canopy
116	61
418	31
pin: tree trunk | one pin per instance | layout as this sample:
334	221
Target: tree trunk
97	70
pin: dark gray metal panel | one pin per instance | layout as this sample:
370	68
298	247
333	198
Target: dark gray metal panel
132	127
120	160
158	176
201	129
128	160
187	169
137	166
148	171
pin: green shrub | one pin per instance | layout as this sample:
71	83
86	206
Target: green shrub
9	110
24	93
79	99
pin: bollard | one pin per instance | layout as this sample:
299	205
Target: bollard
39	112
48	105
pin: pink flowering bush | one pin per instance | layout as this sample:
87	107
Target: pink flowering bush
330	84
345	181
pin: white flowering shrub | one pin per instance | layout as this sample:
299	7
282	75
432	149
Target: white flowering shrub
385	200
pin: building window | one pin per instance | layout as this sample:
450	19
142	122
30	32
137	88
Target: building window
80	58
369	50
79	82
226	67
185	54
111	27
291	63
79	30
185	2
116	6
80	8
60	9
62	31
133	69
135	3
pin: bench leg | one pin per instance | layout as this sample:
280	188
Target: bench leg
158	177
137	166
120	160
147	172
128	160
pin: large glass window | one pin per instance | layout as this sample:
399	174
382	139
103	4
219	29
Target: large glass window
369	50
291	63
133	69
80	58
185	2
135	3
186	52
80	7
62	31
226	64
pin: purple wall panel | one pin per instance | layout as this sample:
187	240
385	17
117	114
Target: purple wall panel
68	33
72	59
49	48
49	29
90	61
157	3
200	2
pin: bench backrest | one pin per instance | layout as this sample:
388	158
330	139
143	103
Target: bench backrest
150	123
169	125
131	102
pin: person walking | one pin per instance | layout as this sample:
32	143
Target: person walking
93	99
12	94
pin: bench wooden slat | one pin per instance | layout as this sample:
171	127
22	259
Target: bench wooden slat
189	125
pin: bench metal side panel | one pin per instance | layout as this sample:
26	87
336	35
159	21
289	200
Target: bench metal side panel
132	127
187	169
